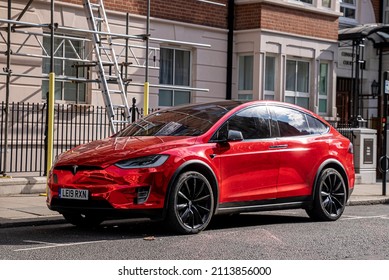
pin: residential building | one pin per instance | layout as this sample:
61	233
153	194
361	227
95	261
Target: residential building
281	50
199	51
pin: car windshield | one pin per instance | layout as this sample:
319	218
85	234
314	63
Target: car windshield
190	120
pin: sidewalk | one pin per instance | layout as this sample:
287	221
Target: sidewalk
30	209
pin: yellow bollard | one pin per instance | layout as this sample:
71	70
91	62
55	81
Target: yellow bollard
146	99
50	124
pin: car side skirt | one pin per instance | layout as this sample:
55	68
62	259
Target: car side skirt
264	205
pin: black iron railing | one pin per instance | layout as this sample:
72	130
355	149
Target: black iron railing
73	125
345	129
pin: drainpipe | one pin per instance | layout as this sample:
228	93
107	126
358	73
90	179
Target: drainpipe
230	44
381	12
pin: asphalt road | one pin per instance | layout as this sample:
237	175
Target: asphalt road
361	233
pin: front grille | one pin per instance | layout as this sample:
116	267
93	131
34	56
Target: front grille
82	204
102	208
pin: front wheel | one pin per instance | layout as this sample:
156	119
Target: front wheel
191	203
330	197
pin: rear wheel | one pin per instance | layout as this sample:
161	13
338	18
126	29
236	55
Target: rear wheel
191	203
330	196
82	220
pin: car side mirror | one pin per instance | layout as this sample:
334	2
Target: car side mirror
234	136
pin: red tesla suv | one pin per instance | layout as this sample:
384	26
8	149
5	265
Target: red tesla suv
187	164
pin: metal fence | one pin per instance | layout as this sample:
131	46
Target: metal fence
73	125
345	129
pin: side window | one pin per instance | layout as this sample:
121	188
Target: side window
263	122
252	122
291	122
316	126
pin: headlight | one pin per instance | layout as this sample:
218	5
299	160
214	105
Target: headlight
142	162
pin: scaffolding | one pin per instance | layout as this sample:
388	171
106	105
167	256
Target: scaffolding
127	48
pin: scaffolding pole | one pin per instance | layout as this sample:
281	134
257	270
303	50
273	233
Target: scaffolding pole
7	91
13	25
24	10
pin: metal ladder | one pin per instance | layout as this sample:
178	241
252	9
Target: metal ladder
111	81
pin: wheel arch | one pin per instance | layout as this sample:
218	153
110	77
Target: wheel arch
331	163
201	167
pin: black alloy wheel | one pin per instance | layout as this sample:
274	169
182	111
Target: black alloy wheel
330	197
191	203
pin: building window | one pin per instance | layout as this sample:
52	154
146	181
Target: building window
297	83
326	3
66	51
386	12
245	82
323	87
270	74
174	70
348	8
305	1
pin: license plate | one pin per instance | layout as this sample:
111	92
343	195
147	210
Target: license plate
73	194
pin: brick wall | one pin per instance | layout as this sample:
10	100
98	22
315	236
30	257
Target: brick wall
190	11
247	16
287	20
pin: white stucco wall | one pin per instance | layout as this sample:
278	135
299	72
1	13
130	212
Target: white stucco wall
209	63
283	46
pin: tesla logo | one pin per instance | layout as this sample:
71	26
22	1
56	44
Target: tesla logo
74	169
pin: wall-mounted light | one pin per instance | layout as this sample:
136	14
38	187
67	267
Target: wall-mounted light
374	88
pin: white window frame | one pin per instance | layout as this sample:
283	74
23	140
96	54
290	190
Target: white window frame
295	94
352	6
245	94
269	94
385	16
324	97
62	63
176	91
329	5
306	2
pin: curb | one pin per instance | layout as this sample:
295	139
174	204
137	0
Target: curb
8	223
22	185
369	201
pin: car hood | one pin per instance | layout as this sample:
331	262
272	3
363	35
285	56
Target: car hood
111	150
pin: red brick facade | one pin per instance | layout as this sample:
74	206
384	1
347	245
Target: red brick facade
247	16
190	11
286	20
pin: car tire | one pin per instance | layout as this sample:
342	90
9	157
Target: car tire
191	203
330	196
82	220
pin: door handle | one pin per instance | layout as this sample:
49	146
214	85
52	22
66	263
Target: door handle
283	146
